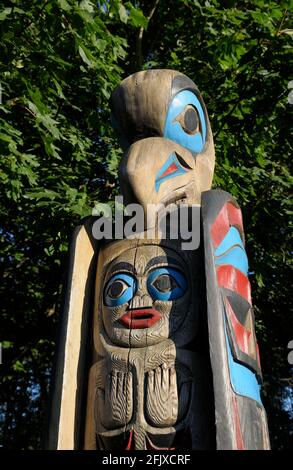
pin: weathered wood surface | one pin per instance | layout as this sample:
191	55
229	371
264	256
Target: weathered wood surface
148	384
172	157
66	427
139	175
240	416
163	371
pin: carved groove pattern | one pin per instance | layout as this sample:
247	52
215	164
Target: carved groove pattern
114	405
161	406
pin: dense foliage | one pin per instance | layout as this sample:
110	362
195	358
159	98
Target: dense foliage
60	59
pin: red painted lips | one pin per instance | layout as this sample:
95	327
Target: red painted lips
139	318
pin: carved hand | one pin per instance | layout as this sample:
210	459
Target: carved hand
114	404
161	406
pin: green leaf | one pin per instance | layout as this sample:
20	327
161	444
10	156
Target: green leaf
101	44
5	137
123	15
259	280
87	5
84	56
64	5
59	89
7	344
44	194
137	18
4	13
18	366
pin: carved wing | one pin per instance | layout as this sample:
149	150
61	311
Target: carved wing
240	415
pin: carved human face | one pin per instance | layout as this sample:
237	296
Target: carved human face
147	297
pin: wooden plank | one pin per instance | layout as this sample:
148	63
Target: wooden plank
68	384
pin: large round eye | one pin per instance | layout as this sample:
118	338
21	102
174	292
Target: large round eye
185	121
116	289
189	120
166	284
119	290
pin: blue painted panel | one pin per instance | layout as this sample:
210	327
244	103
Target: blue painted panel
243	380
231	238
180	171
173	130
235	257
231	251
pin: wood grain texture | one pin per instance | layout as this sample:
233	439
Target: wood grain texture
140	166
113	403
166	403
240	421
139	104
67	395
144	380
157	370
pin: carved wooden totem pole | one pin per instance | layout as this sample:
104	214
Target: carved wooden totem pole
158	349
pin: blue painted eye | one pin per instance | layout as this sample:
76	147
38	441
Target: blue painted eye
185	122
166	284
189	120
119	290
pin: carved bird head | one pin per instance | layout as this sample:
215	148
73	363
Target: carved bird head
163	124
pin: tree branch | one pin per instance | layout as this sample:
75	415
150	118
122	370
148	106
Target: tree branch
139	55
279	32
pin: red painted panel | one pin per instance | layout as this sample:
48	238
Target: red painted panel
171	169
235	216
228	216
220	227
233	279
242	335
129	444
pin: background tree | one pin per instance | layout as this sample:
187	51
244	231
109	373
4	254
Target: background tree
59	62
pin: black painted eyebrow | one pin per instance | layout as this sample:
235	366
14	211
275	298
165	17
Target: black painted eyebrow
161	259
122	266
